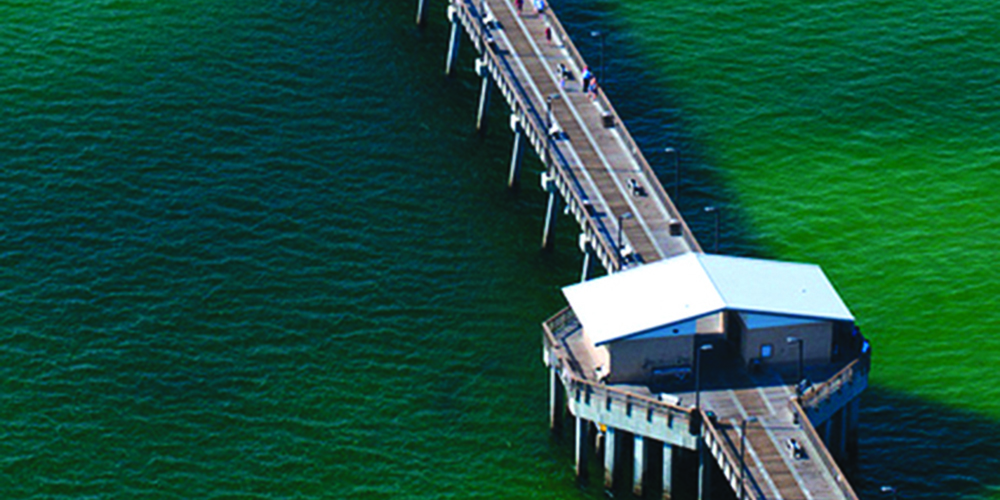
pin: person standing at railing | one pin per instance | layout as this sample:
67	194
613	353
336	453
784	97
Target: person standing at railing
592	89
585	78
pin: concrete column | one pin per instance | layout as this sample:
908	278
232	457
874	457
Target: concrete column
668	470
421	12
517	154
639	464
588	264
555	400
611	450
456	37
582	443
704	471
484	101
550	219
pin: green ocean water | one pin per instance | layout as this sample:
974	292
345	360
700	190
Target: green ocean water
257	250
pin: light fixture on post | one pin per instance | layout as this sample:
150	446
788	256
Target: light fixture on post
798	381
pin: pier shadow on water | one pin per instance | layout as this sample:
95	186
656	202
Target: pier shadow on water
922	449
655	116
925	450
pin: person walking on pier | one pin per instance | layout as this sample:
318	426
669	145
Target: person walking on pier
592	89
540	7
585	78
520	5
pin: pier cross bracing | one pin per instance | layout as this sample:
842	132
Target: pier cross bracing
767	437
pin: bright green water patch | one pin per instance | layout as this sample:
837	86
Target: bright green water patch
861	136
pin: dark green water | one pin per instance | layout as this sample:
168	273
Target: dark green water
257	250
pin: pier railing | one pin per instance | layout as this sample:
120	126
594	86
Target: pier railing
855	372
586	390
729	463
820	448
633	147
534	121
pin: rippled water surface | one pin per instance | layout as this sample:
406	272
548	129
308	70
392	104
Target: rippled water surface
256	249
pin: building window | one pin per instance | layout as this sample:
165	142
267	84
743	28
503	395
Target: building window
766	350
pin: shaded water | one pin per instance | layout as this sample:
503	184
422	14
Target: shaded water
257	250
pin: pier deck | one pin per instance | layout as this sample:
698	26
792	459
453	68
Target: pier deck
626	219
597	168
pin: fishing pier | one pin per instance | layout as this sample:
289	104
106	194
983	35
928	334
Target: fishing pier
742	375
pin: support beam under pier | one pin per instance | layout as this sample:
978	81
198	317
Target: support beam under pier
484	100
456	37
668	470
639	464
611	452
582	438
517	154
555	401
421	12
551	211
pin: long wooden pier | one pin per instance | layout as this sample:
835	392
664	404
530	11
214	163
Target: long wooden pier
592	163
758	430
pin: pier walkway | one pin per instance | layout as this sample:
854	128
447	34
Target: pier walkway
592	161
754	428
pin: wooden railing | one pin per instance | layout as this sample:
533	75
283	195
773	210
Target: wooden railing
820	447
647	171
535	120
586	390
814	396
729	463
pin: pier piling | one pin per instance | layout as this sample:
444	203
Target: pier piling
518	152
453	42
421	12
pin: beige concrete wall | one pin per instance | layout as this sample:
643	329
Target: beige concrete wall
817	348
634	360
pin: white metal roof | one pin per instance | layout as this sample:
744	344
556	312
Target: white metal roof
694	285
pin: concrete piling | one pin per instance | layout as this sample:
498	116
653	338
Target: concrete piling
456	37
580	452
484	102
668	471
611	451
517	154
639	464
421	12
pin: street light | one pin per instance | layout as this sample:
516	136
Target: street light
621	218
715	211
743	456
889	490
800	342
697	374
677	176
601	35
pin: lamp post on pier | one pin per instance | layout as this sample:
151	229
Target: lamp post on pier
601	35
697	374
715	211
798	381
677	176
621	219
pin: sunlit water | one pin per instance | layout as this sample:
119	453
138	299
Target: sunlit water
257	250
